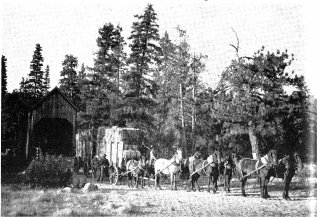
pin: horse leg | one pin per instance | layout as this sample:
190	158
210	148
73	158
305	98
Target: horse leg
214	182
261	187
209	181
137	180
190	184
197	183
267	180
155	180
287	181
243	181
286	189
229	179
158	181
225	179
175	181
142	181
128	180
226	183
172	181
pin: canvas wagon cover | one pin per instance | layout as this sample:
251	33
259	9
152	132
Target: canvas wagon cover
118	142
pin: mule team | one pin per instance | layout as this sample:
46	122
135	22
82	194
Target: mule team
216	164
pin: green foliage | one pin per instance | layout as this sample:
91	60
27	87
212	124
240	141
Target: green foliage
49	171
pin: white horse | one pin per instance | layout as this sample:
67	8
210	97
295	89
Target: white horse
168	167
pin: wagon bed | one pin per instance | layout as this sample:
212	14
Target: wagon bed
118	144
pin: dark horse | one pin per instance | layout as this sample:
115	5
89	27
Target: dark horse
226	168
208	168
263	169
286	169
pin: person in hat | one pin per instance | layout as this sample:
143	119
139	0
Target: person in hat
104	164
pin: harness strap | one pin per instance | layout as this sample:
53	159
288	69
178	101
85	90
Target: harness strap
200	168
204	166
168	166
250	173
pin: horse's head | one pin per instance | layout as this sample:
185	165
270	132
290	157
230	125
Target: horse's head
217	157
178	156
142	161
298	161
272	157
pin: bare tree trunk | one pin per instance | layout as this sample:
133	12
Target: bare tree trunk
183	140
254	141
194	109
193	129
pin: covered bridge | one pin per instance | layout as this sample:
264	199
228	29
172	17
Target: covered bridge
52	125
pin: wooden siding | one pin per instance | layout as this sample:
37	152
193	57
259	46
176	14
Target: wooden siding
54	107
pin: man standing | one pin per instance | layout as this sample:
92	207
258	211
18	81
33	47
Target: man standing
104	165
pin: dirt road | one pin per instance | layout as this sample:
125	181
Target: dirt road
120	200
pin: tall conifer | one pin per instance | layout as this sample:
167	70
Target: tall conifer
35	82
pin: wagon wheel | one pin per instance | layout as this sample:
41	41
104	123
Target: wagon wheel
113	174
133	183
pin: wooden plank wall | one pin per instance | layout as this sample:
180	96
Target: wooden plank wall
54	107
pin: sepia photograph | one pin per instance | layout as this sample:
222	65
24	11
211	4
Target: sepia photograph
158	108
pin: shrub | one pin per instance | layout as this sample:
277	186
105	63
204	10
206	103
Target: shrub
49	171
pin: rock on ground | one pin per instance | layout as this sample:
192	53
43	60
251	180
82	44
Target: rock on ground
89	187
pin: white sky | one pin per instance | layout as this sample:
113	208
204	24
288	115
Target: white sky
71	27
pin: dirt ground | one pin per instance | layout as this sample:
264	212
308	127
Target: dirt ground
110	200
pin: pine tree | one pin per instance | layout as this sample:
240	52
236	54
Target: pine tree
47	79
23	84
36	75
166	131
145	53
68	83
3	76
81	84
110	56
101	90
82	73
252	101
177	77
140	85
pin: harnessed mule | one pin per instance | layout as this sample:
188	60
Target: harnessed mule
168	167
226	168
135	170
263	169
286	169
207	168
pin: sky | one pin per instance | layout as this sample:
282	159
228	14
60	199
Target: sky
71	27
